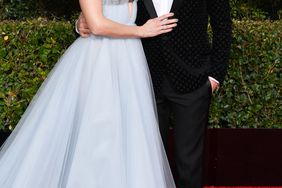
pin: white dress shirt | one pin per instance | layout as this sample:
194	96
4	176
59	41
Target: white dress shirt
163	7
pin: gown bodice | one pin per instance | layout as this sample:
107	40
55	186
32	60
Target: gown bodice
118	11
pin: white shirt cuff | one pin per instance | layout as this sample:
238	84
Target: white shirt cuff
213	79
76	28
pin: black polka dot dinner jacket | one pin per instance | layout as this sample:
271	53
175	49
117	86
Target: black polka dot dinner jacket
185	56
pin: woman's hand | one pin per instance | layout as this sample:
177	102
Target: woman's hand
82	26
158	26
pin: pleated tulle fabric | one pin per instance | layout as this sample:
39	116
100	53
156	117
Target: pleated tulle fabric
93	123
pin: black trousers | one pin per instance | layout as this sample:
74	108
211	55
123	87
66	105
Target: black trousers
190	116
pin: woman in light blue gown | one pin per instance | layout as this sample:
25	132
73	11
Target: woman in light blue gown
93	123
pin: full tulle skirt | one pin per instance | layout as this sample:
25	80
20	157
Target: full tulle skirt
92	124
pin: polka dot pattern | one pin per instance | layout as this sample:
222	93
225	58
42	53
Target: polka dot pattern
185	56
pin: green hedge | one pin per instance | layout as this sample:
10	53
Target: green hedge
28	50
256	9
251	95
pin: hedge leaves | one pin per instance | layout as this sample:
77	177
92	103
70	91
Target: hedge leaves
250	97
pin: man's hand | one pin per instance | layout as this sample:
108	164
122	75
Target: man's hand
214	84
82	26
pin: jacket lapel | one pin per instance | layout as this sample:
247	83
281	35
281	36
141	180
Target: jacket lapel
176	5
150	8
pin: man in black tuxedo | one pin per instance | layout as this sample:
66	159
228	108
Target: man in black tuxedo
185	69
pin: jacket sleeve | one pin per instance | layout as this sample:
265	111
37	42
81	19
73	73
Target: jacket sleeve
221	24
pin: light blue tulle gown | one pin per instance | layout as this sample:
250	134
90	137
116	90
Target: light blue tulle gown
93	122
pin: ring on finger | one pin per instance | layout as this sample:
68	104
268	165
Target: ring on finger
164	22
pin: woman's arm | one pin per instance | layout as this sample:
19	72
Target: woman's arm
100	25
